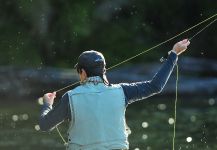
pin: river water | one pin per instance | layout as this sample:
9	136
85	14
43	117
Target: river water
151	124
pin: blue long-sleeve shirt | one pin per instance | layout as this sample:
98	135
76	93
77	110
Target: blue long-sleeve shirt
50	117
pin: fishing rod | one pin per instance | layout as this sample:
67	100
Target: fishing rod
196	34
145	51
202	29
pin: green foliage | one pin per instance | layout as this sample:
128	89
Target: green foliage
55	32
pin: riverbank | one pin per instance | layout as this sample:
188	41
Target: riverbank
197	77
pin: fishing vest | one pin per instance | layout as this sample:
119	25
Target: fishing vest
98	117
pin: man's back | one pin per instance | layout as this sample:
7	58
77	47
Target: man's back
89	117
99	116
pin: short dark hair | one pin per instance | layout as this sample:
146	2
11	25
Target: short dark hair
90	71
93	62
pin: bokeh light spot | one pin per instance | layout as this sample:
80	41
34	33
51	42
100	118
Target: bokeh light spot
161	106
193	118
189	139
25	116
171	121
144	136
37	127
15	118
211	101
145	124
40	101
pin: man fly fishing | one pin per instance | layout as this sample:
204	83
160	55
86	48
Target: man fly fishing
96	108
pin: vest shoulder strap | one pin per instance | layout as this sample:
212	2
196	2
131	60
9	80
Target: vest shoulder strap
92	88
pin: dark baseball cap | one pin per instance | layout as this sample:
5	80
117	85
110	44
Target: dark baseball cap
91	61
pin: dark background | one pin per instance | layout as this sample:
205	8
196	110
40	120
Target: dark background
54	32
40	41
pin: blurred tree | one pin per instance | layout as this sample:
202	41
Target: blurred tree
54	32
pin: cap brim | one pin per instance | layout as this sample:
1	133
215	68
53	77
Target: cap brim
76	65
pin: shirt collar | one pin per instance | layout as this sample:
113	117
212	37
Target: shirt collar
94	79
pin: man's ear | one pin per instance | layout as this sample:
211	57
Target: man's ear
83	72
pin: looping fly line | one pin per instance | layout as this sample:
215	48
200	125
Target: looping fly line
147	50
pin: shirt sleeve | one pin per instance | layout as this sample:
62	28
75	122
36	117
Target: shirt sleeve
51	117
141	90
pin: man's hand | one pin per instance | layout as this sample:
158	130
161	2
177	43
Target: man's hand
181	46
49	98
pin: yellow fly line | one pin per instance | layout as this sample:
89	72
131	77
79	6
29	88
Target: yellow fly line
147	50
157	45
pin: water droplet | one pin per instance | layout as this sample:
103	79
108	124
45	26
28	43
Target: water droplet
161	106
145	124
189	139
15	118
171	121
37	127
